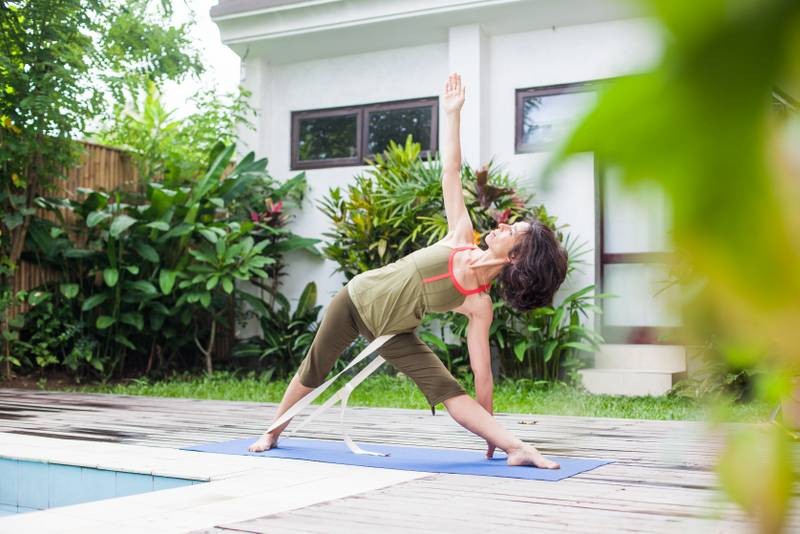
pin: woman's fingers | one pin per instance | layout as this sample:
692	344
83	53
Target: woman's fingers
453	84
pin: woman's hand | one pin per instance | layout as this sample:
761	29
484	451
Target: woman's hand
453	97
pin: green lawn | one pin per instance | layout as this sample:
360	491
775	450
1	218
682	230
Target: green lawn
522	396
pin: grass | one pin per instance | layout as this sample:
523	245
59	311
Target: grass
383	390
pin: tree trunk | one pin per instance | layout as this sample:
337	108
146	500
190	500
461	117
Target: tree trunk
209	368
17	238
207	351
6	350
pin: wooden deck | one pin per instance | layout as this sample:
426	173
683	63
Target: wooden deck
661	480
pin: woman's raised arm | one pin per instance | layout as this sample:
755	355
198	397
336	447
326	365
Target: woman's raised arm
458	221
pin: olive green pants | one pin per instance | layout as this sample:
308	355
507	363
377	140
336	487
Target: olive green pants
405	352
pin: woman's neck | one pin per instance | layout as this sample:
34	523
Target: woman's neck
485	265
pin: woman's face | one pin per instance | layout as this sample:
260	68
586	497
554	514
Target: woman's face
503	238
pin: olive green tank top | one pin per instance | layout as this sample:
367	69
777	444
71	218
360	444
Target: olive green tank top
395	297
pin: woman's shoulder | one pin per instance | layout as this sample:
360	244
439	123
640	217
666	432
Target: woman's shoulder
452	241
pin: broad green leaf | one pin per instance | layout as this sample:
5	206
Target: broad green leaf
227	285
120	224
69	290
13	219
166	280
307	300
121	339
94	301
208	234
35	297
143	286
519	350
555	322
147	252
256	303
104	321
78	253
177	231
134	319
434	340
158	225
111	276
96	217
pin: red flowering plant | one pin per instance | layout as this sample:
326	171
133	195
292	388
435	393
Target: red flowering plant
267	208
272	215
396	207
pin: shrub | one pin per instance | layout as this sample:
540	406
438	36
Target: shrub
396	207
155	280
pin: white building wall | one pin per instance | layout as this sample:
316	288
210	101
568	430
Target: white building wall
556	56
397	74
504	63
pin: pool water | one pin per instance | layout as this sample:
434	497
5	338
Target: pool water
27	486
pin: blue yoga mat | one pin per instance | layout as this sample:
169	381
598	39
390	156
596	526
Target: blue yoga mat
457	461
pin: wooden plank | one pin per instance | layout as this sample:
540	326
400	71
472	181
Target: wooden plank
662	478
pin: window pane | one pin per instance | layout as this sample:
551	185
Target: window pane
634	220
328	138
546	119
396	124
636	303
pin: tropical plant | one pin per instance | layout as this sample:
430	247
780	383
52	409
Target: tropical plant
169	149
51	333
396	207
543	343
232	256
287	335
161	274
61	64
10	334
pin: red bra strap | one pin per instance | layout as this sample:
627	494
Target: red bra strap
462	290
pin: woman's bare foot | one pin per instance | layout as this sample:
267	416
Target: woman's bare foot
528	455
264	443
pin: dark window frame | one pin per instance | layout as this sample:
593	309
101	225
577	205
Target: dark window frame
545	90
431	102
361	112
297	116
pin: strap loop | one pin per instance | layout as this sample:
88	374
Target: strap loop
342	395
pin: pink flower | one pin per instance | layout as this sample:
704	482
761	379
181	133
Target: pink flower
254	216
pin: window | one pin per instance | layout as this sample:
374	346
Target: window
346	136
633	262
545	114
634	254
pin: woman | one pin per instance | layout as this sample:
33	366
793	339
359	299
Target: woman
451	274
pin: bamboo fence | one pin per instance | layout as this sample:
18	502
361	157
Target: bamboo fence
101	168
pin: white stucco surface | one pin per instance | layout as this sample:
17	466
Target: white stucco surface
494	65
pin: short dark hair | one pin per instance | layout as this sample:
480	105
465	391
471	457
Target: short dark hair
538	267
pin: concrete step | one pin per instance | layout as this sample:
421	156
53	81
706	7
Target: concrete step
629	382
664	358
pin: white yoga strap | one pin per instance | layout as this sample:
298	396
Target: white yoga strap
342	395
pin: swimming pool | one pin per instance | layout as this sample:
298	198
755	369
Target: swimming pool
27	486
